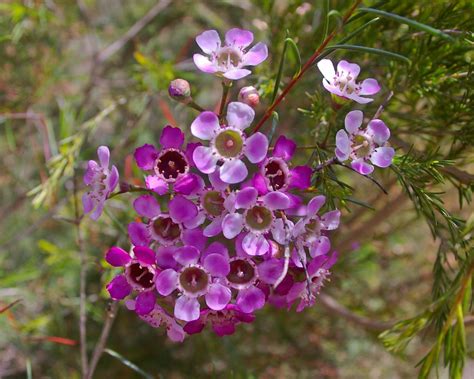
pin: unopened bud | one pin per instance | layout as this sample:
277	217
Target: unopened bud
249	96
180	90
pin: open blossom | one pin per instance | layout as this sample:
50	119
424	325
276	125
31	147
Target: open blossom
170	165
101	182
228	59
139	275
196	276
364	145
342	82
228	143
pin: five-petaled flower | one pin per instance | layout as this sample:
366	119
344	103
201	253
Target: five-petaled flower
228	59
363	145
342	82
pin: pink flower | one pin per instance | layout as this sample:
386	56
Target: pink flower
228	59
363	145
228	143
101	182
343	81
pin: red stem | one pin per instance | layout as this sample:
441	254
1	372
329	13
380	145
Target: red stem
306	66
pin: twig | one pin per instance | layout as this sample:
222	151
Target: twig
225	92
383	105
365	176
332	305
82	281
100	346
306	66
7	307
329	162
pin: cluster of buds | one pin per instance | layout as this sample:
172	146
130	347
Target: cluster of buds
224	226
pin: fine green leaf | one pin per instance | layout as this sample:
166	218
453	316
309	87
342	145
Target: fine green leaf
127	363
372	50
407	21
292	44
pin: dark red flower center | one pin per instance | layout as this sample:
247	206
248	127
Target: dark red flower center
194	280
170	164
276	171
141	275
166	229
242	272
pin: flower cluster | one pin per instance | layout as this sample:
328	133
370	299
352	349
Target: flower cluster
224	226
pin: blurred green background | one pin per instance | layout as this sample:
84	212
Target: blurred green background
62	62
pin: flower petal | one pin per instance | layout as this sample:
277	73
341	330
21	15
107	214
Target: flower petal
330	220
205	125
320	247
256	147
238	37
347	67
352	122
382	156
284	148
145	156
250	299
218	296
156	184
232	225
117	257
256	55
188	184
204	64
119	288
327	69
209	41
166	282
255	244
362	167
233	171
182	209
369	87
239	115
187	255
300	177
144	255
147	206
379	131
217	265
246	198
165	257
314	205
269	271
138	234
236	73
216	181
214	228
145	302
205	160
104	156
186	309
171	137
276	200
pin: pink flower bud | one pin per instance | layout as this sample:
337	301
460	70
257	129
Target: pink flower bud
180	90
249	96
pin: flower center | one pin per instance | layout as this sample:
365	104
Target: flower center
361	146
242	273
229	143
213	203
166	230
143	276
194	280
259	218
170	164
229	57
276	171
313	228
346	83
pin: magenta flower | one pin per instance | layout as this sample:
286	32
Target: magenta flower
228	144
159	317
363	145
275	173
228	59
309	231
223	322
170	164
140	272
343	81
101	181
258	218
166	228
197	276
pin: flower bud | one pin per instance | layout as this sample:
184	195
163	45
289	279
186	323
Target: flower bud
180	90
249	96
